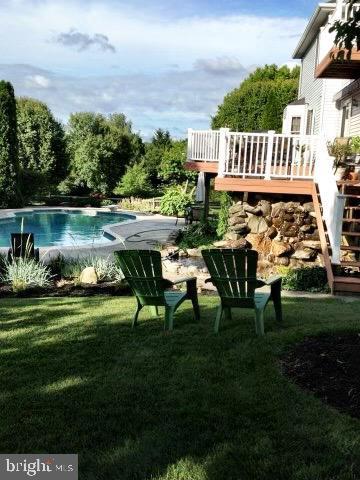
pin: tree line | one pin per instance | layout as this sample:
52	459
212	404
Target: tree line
92	153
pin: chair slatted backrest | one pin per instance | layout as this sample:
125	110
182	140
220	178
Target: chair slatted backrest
233	272
23	245
143	271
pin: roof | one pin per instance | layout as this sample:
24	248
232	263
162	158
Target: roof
318	19
300	101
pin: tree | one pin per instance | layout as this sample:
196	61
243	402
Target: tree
161	138
135	182
42	148
100	149
9	165
172	168
259	102
347	32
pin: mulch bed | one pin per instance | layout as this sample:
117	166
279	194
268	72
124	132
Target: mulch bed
329	367
68	290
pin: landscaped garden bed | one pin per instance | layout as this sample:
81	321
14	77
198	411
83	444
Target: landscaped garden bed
329	367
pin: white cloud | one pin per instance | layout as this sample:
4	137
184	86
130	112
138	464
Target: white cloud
38	81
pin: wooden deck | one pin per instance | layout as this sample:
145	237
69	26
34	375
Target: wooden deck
291	187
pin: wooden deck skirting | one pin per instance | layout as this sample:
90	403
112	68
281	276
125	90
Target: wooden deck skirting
324	245
207	167
295	187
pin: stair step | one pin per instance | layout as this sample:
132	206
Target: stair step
353	280
351	220
347	285
350	264
350	248
350	195
351	234
352	208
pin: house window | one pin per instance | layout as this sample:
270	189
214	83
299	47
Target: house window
345	122
295	125
309	122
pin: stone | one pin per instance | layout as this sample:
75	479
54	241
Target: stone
193	252
171	267
220	244
241	229
265	207
89	276
241	244
291	207
289	230
232	236
282	261
259	242
271	233
277	222
308	207
257	224
269	221
304	254
313	244
289	217
253	210
279	249
238	208
307	228
277	208
236	221
192	270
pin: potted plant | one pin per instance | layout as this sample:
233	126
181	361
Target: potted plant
355	148
340	150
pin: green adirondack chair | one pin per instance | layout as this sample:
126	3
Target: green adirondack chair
233	272
143	271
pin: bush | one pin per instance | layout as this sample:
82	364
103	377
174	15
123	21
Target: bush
175	200
306	279
25	273
198	235
135	182
223	220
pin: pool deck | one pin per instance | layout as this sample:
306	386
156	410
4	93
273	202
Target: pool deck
147	231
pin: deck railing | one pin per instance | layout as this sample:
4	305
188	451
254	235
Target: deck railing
262	155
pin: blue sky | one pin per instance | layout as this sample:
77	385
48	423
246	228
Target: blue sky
163	63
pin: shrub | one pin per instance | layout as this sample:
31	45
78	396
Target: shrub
175	200
198	235
135	182
24	273
223	220
306	279
106	203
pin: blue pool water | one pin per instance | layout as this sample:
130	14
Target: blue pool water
61	227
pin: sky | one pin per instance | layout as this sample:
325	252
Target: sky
164	63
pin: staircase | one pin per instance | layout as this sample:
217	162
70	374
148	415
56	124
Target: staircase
344	279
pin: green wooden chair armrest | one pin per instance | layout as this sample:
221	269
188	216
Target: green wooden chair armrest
272	280
183	280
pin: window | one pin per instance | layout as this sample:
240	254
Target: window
295	125
345	121
309	122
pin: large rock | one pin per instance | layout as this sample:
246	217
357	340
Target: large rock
308	207
236	209
236	221
280	249
231	236
272	233
277	209
241	229
221	244
257	224
171	267
241	244
193	252
265	207
313	244
305	254
260	242
89	276
253	210
291	207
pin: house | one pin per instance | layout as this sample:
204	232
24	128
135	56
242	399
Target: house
296	161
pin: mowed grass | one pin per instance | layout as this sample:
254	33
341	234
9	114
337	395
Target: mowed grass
188	405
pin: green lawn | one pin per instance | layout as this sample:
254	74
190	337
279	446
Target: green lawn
186	405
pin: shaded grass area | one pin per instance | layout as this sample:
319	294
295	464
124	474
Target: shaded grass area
186	405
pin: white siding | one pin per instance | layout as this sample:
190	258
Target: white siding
310	87
355	118
331	116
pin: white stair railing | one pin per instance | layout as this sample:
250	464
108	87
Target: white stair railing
332	202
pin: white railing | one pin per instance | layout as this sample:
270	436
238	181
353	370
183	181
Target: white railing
348	11
332	202
263	155
203	145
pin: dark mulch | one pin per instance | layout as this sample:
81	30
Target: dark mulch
329	367
67	290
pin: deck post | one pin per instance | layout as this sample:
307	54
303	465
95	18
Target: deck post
224	132
190	144
270	148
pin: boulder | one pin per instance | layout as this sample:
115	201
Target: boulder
271	233
260	242
313	244
289	230
238	208
307	229
221	244
257	224
253	210
265	207
241	229
305	254
308	207
241	244
171	267
282	261
236	221
291	207
232	236
280	249
277	208
193	252
89	276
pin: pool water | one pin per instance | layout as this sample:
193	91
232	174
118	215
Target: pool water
61	227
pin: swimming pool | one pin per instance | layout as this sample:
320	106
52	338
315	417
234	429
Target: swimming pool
54	228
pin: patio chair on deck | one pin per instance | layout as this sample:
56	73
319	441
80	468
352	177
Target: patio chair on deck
143	271
233	272
23	246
